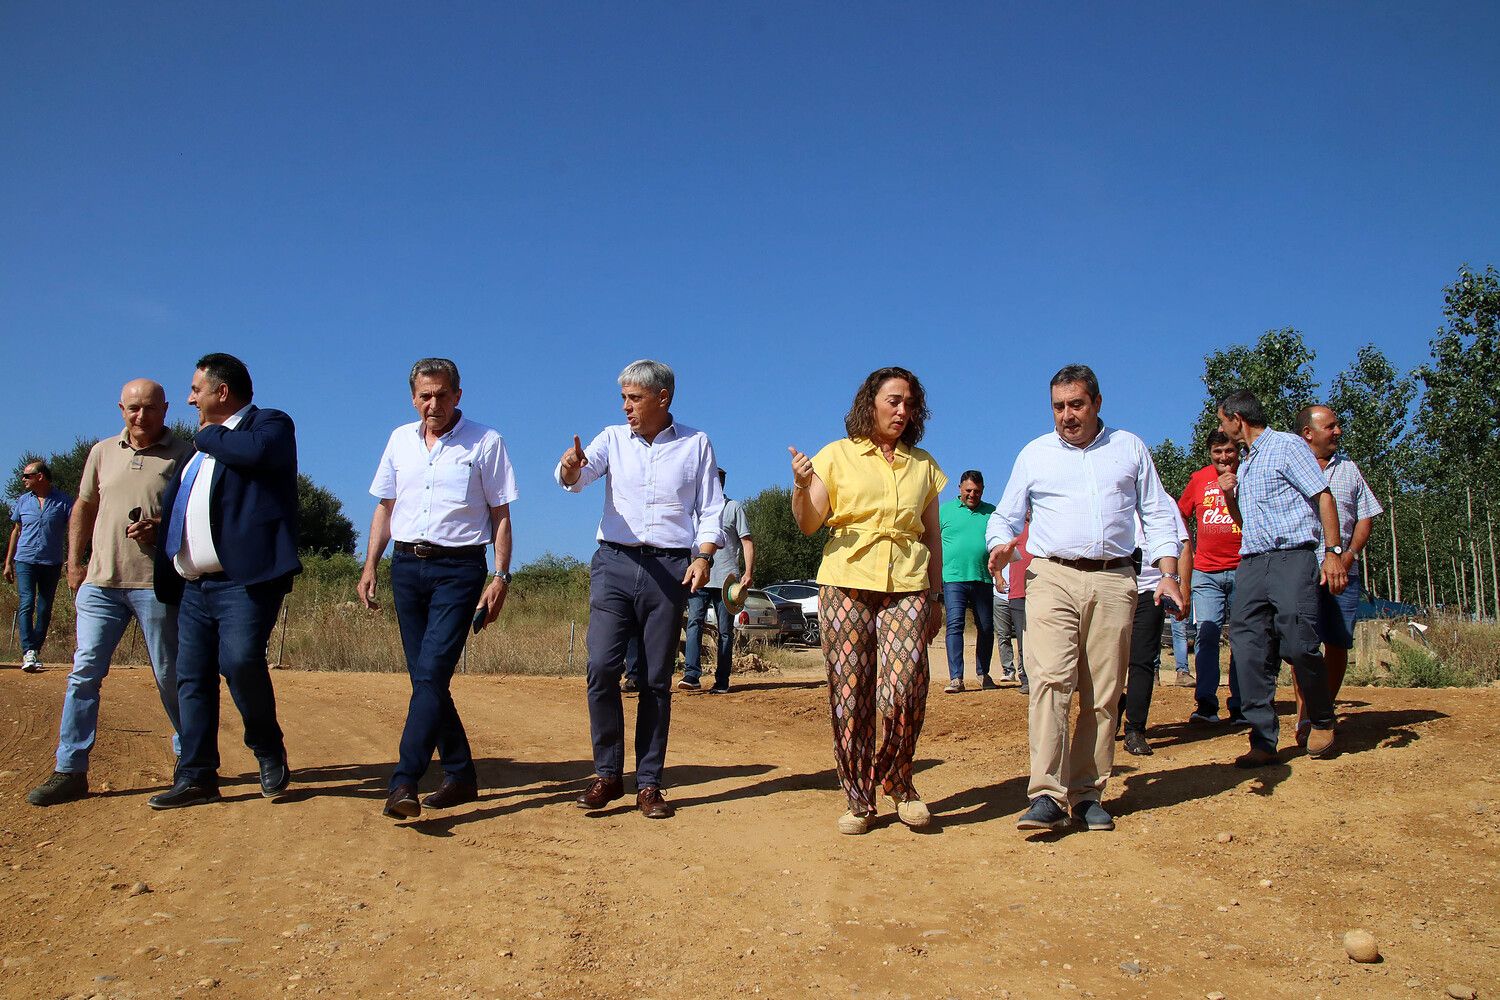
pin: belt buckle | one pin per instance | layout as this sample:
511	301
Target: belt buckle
421	550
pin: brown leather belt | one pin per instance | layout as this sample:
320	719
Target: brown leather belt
426	550
1093	565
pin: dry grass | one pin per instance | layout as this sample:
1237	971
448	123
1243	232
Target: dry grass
1468	648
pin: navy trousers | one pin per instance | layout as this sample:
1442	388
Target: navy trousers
633	594
223	628
435	601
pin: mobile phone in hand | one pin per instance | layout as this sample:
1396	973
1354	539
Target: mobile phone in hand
479	620
1170	607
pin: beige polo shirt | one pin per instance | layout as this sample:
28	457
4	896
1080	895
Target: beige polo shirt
118	478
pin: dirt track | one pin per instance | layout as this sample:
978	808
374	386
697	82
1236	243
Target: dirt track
749	889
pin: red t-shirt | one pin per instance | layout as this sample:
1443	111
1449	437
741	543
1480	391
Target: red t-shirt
1018	568
1217	543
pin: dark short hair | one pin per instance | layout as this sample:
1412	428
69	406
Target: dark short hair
859	422
40	466
1303	420
434	366
1243	403
721	477
1068	374
226	369
972	476
1217	437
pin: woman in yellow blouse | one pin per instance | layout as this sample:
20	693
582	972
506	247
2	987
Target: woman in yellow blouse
879	587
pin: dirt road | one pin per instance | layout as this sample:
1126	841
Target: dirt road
750	889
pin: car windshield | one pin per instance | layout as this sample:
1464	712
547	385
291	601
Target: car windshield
795	590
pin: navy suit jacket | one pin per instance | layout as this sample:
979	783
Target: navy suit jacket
252	505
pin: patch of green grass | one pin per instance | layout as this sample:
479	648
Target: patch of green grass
1415	668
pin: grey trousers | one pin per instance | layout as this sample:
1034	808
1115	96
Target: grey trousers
1275	618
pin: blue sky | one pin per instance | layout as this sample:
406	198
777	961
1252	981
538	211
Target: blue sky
773	198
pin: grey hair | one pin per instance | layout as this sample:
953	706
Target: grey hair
435	366
651	375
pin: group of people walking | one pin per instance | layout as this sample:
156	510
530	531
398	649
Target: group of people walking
1085	550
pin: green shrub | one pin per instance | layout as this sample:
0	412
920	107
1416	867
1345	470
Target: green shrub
1415	668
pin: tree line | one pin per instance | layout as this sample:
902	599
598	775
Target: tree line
1427	440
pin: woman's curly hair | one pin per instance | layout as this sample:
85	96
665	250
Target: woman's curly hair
859	422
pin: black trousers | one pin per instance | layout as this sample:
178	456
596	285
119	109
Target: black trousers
1145	658
1276	618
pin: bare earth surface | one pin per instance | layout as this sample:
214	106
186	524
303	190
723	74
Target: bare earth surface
750	889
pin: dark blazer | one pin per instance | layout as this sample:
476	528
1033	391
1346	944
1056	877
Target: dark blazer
252	503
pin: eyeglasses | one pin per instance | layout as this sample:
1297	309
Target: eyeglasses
30	475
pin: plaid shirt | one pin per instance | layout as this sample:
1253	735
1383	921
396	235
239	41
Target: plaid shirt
1279	483
1351	494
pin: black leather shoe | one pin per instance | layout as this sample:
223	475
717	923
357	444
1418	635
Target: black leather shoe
451	792
274	776
601	792
402	803
184	794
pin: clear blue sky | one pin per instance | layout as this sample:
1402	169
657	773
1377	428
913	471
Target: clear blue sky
773	198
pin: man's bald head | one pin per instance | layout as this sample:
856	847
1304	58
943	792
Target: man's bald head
1319	427
143	404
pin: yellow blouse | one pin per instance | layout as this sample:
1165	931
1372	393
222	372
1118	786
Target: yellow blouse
875	515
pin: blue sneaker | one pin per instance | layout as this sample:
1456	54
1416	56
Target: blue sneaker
1204	717
1092	815
1044	814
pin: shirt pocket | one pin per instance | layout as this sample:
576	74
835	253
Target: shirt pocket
451	483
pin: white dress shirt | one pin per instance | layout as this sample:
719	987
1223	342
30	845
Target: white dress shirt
444	494
1083	500
664	493
1149	576
198	555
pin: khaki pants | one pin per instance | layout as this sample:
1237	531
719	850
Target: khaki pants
1078	626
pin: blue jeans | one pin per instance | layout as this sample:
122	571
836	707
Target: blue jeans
1179	645
223	628
103	615
36	583
697	613
958	598
1212	596
435	601
633	594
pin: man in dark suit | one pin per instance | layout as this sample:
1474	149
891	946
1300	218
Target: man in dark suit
229	552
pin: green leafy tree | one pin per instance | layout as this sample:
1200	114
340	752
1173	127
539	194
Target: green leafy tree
1459	416
782	551
322	527
1174	465
1278	369
1373	401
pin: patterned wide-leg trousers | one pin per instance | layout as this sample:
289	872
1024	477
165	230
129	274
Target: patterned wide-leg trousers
877	669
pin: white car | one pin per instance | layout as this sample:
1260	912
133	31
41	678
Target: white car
805	593
756	620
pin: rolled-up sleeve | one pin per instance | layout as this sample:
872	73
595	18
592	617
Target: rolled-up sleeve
1009	518
1165	531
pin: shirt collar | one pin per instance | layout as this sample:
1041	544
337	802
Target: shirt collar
869	447
1098	438
124	439
1335	459
667	433
422	432
234	420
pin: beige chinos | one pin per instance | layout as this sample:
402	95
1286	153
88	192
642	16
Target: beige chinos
1078	626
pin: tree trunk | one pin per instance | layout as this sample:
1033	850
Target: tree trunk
1395	554
1427	561
1494	578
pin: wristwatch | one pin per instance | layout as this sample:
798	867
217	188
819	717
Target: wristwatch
1333	550
504	577
1175	577
704	556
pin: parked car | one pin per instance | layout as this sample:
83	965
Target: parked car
758	619
789	614
805	593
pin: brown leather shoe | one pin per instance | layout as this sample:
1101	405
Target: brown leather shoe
1320	742
451	792
601	793
1255	757
402	803
651	804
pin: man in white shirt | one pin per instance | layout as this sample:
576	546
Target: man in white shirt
444	488
1083	483
657	539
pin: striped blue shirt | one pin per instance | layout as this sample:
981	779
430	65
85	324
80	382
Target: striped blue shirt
1279	483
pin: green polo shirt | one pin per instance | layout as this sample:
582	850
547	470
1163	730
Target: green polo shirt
965	559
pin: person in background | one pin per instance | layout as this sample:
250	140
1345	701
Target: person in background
735	529
879	587
1145	648
967	584
1209	562
1357	508
34	557
1014	577
1281	501
111	546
